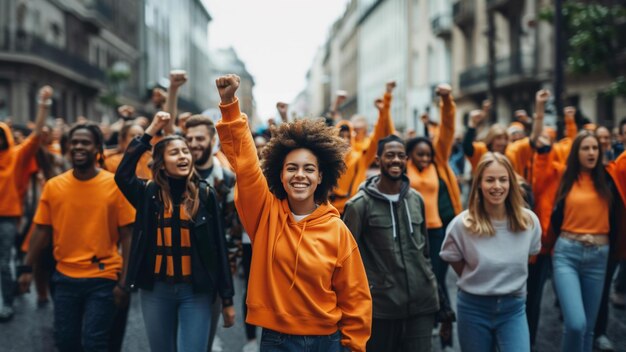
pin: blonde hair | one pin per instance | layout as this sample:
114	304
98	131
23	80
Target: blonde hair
494	132
477	219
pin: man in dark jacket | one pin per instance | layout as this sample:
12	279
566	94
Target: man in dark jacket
386	218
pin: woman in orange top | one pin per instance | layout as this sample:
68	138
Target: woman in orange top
584	221
431	175
128	132
496	140
307	282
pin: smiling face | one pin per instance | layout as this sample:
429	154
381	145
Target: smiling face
393	160
499	143
604	135
201	143
494	184
300	177
589	153
83	149
422	155
177	159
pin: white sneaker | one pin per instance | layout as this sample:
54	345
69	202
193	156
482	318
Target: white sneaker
603	343
6	314
251	346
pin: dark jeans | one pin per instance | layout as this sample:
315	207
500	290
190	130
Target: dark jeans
83	313
603	314
116	340
274	341
440	267
538	273
246	260
8	232
399	335
620	280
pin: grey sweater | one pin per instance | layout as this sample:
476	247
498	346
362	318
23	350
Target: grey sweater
495	265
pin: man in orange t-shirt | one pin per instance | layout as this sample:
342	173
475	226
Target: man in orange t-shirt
85	215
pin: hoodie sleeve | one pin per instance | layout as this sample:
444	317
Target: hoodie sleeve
252	193
445	137
353	296
384	127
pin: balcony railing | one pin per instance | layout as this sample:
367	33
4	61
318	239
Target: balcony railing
498	4
518	65
33	45
463	12
441	25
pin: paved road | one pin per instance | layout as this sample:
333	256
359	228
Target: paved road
31	329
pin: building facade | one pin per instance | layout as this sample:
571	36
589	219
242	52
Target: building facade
225	61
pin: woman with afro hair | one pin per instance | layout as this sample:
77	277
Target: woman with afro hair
307	282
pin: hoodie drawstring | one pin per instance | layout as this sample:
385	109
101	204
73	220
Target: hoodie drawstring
295	270
408	215
280	233
393	218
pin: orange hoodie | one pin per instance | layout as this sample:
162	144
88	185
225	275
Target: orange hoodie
357	162
547	174
307	277
617	170
15	164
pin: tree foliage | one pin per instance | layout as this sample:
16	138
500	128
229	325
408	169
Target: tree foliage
594	38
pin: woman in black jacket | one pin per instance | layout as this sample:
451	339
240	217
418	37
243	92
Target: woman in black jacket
178	255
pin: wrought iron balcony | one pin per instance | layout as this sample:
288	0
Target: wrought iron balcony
441	25
463	12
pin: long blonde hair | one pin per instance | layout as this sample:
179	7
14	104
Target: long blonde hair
477	219
190	200
494	132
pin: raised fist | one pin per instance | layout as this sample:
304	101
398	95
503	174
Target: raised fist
390	86
282	107
486	105
569	111
177	78
476	117
126	111
379	104
443	90
227	86
160	120
425	118
542	96
45	93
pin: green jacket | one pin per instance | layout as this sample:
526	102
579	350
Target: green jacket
393	242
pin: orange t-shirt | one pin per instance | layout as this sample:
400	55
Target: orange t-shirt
585	210
142	171
85	217
426	183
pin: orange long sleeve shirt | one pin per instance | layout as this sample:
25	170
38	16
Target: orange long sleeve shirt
307	277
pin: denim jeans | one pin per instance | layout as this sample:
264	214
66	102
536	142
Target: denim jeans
274	341
8	232
485	322
83	313
579	272
176	318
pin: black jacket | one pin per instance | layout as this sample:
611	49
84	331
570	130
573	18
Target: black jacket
556	219
209	260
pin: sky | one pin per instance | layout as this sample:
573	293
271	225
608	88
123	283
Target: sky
276	39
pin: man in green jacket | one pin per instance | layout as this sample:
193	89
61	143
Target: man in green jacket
386	218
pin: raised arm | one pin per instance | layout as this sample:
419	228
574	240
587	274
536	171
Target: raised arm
475	118
571	129
126	178
541	98
177	79
384	125
283	108
252	192
28	149
445	138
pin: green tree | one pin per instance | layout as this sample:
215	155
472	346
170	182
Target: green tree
594	37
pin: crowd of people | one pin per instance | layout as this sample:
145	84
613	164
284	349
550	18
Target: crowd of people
343	238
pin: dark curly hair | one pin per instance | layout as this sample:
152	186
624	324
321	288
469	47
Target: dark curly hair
311	134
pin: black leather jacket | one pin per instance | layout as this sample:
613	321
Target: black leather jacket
209	259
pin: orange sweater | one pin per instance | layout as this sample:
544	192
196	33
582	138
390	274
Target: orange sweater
307	277
585	210
16	163
426	183
112	162
443	148
547	173
617	170
357	162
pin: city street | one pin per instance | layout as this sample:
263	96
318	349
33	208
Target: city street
31	329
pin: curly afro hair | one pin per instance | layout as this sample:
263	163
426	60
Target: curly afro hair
311	134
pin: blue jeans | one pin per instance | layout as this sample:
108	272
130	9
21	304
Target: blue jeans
8	232
176	318
579	272
83	313
274	341
485	322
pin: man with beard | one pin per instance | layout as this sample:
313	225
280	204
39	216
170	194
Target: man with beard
200	133
386	218
85	215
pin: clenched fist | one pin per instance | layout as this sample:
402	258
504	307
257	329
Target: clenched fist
475	118
542	96
45	93
443	90
390	86
569	111
227	86
177	78
160	120
379	104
